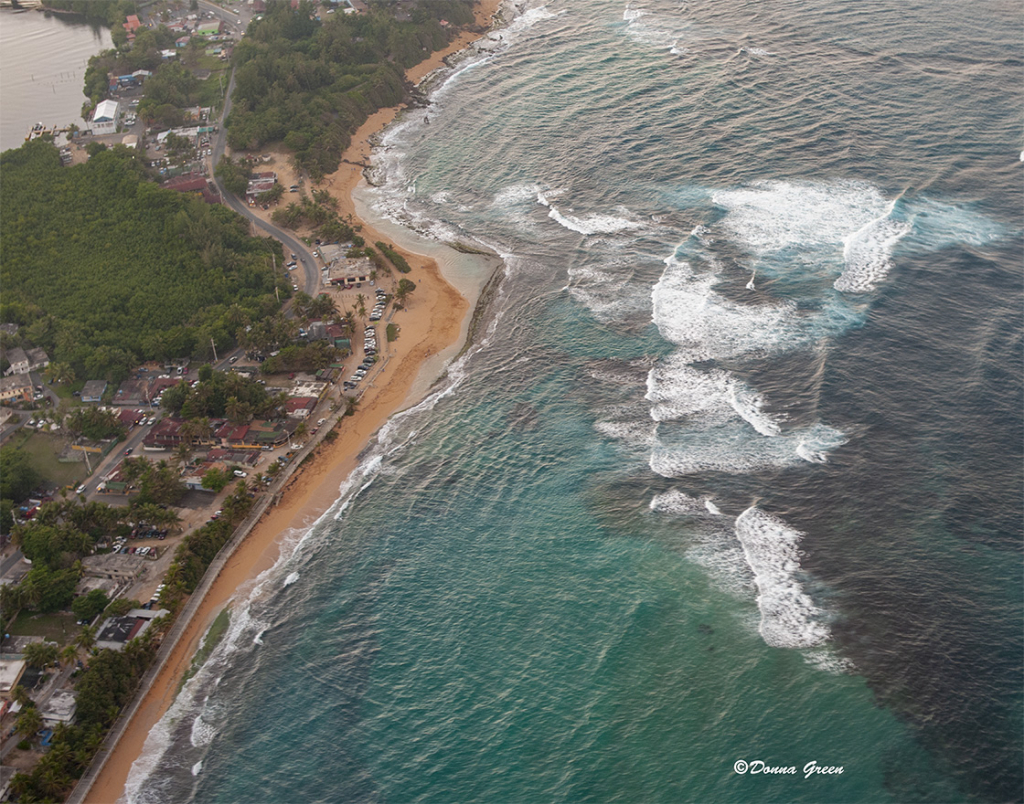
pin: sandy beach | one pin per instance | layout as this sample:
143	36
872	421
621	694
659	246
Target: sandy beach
434	320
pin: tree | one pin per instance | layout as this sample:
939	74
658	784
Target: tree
61	373
68	654
29	722
215	479
183	453
88	606
40	654
20	695
405	287
17	477
86	638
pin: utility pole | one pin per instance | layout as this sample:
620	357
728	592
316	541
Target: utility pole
214	346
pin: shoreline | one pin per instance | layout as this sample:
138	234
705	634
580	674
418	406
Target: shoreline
433	329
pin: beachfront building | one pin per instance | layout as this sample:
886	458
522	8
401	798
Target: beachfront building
104	118
116	632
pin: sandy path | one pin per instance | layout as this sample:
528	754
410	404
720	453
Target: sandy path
431	323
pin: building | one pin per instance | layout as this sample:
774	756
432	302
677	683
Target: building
116	632
212	28
130	141
37	359
18	360
299	407
94	390
11	670
60	708
132	393
104	119
16	389
132	23
193	183
23	362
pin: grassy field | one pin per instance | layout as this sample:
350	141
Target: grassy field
60	627
43	450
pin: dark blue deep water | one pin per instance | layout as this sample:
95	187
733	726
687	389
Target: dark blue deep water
733	468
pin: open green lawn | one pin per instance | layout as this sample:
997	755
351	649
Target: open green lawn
43	450
60	627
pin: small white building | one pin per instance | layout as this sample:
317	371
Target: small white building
104	119
10	673
60	708
19	361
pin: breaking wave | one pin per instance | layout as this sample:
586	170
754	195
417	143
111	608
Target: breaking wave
789	618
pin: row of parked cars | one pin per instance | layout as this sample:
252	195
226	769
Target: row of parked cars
378	308
370	352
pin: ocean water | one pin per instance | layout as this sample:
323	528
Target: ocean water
731	474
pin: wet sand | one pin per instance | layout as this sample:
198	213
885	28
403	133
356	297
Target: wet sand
433	321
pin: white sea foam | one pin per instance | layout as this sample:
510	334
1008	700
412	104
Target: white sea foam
680	503
609	293
593	224
632	433
202	732
750	406
772	215
516	194
705	325
712	508
825	660
756	51
292	578
867	253
789	618
197	768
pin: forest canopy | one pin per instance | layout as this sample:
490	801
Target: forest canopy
104	269
310	85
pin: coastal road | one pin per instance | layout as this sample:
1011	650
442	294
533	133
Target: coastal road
310	270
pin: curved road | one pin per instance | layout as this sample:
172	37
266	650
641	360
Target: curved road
310	271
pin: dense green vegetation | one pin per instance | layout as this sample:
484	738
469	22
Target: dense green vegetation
200	547
396	259
17	477
220	395
310	85
104	269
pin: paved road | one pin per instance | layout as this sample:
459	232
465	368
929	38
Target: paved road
310	270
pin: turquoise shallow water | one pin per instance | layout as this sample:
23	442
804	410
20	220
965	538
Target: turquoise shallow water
732	472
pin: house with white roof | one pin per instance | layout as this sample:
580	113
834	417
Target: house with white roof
104	119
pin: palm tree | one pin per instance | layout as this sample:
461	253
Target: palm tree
20	695
361	305
29	722
40	654
68	654
86	638
183	453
